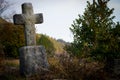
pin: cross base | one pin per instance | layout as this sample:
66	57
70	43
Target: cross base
33	60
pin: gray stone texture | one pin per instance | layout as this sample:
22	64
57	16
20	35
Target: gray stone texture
33	60
28	19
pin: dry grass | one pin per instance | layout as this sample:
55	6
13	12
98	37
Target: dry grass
11	62
60	68
73	69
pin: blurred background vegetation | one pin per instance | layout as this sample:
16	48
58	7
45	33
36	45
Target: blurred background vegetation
12	38
96	40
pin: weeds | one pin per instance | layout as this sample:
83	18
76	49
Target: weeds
66	68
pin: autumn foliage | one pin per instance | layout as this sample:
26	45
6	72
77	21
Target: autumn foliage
11	38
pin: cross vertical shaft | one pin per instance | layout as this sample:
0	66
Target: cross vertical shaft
33	59
27	10
28	19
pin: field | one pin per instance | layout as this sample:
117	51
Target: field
60	68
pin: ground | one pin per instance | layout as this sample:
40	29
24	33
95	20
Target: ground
60	68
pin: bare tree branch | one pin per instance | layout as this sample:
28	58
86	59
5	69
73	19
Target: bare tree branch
3	6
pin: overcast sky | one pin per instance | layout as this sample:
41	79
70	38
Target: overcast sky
58	15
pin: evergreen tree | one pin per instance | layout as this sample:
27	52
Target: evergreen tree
93	34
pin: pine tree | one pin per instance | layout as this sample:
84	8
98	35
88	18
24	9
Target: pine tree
93	31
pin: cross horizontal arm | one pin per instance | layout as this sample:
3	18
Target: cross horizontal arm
38	18
18	19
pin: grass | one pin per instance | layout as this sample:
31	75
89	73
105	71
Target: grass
60	68
12	62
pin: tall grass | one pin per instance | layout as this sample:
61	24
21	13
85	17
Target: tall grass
67	68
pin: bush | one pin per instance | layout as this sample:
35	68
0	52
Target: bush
11	38
49	46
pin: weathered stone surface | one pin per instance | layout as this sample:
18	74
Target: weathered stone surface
28	19
33	60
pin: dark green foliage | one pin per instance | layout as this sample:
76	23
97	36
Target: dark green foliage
11	38
46	42
95	33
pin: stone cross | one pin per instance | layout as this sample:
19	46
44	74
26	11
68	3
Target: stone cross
28	19
33	59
